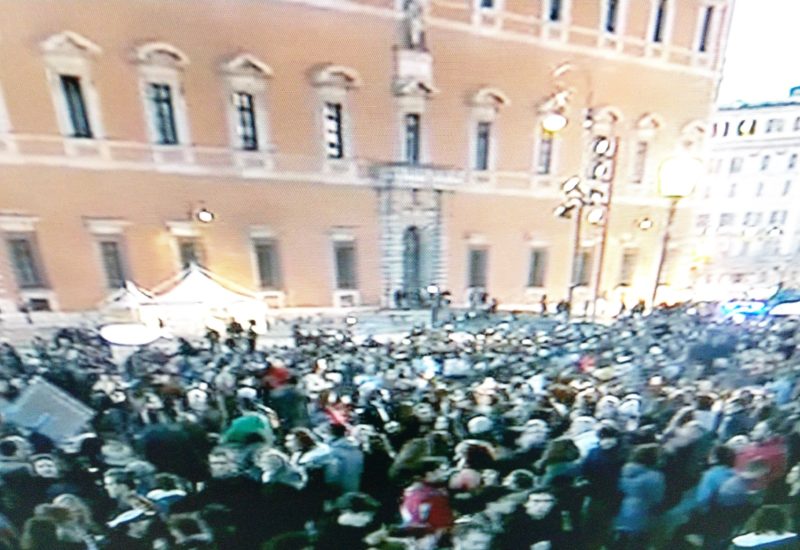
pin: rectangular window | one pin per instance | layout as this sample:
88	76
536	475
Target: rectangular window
752	219
191	252
24	259
639	162
266	252
732	191
708	15
774	125
487	4
112	263
658	25
478	262
764	162
582	270
544	160
787	187
482	146
726	129
612	7
163	113
726	219
797	124
246	120
554	11
537	267
334	136
628	267
345	257
736	165
760	189
76	106
702	220
792	161
412	138
778	217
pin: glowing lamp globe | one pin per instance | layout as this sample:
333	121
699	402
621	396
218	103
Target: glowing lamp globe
554	122
678	176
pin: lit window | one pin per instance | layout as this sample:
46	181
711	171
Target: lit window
760	189
333	130
778	217
764	162
628	267
774	125
582	270
726	219
787	187
246	120
190	252
752	219
746	128
792	161
732	191
736	165
76	106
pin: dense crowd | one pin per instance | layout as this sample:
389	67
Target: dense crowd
667	431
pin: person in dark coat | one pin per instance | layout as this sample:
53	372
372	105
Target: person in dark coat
642	487
537	520
602	469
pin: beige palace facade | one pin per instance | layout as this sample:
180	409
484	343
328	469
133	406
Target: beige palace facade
347	149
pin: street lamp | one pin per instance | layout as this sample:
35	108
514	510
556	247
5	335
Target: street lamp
676	177
204	215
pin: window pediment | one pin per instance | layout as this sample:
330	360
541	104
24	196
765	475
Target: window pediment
414	87
247	65
70	43
161	54
337	76
490	97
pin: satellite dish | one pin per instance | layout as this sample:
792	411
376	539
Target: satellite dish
130	334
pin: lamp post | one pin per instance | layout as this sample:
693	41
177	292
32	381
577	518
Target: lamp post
677	177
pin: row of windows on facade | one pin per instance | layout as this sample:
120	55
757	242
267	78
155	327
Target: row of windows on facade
749	127
759	190
611	18
737	164
163	112
30	273
750	219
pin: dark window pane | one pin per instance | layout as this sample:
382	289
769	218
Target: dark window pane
545	158
246	120
482	145
412	138
333	130
191	252
76	107
537	268
163	114
477	267
628	267
112	263
611	16
345	255
658	29
267	261
583	269
707	17
554	13
23	258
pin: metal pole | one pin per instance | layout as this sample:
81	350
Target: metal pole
603	241
664	244
576	247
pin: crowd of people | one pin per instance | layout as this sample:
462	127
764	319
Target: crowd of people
669	430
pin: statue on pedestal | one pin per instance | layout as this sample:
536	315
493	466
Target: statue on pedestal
414	15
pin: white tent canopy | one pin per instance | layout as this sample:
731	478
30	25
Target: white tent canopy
196	298
124	303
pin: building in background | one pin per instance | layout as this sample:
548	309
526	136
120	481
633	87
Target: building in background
746	223
335	153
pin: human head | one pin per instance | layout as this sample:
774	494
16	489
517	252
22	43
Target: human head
45	466
300	440
118	483
222	463
760	431
534	433
608	437
519	480
472	537
79	511
723	455
540	502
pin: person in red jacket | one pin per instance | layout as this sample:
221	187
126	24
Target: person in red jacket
766	447
426	503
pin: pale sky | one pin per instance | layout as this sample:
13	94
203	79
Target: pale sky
761	62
